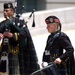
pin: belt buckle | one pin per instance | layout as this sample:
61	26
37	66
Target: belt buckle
6	40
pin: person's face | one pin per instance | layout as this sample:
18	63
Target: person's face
52	27
8	12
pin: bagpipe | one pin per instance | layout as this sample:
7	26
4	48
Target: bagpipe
11	26
51	69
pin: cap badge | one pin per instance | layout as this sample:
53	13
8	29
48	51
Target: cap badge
9	5
51	19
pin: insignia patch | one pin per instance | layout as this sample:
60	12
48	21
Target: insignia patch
51	19
9	5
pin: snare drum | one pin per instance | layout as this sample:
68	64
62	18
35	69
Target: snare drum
48	70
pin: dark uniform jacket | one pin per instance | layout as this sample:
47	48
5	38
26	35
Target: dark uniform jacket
22	57
56	44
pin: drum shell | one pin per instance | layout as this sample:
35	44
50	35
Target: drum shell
48	70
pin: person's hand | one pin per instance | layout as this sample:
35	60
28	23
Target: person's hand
8	34
58	61
1	36
42	64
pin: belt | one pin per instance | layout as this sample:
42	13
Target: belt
53	57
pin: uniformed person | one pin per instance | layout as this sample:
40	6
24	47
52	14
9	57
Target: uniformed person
17	45
56	44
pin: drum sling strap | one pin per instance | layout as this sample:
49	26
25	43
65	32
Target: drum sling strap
52	39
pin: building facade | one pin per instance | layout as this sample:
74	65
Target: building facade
44	4
38	5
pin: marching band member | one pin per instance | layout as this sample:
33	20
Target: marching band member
56	44
17	44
